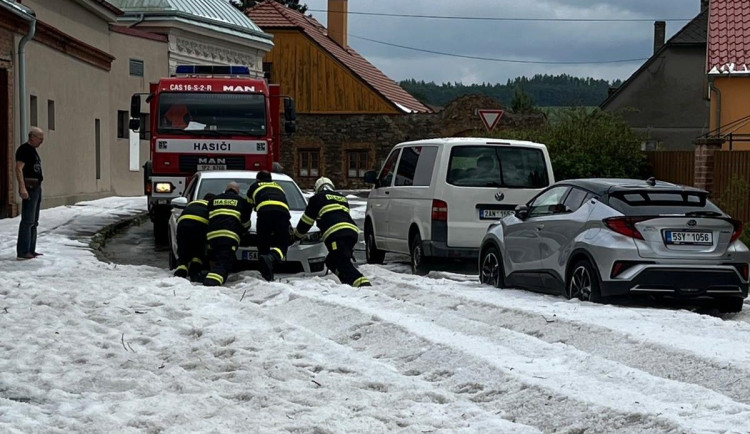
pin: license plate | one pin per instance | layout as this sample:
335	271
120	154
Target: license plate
689	238
212	167
249	255
494	213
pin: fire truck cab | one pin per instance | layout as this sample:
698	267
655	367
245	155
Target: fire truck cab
207	117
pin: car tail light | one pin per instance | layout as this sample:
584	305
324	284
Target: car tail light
625	226
620	267
439	210
737	233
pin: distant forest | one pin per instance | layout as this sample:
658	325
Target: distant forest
544	90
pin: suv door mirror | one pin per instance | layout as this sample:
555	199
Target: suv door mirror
371	177
558	208
522	212
179	202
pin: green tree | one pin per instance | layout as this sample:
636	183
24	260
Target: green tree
521	102
586	143
243	5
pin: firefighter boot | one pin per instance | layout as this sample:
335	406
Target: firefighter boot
181	271
266	266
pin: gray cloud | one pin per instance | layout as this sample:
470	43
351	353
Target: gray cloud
522	40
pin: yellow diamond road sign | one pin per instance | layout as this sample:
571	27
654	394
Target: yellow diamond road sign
490	117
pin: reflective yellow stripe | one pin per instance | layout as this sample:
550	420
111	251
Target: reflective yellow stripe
338	226
298	234
216	277
271	202
278	250
247	224
200	201
193	217
222	233
357	283
332	207
334	246
198	260
268	185
308	220
223	211
182	267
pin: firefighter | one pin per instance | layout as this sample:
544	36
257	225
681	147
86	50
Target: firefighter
228	221
269	200
192	226
330	211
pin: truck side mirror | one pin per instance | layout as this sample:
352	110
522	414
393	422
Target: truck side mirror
134	124
135	106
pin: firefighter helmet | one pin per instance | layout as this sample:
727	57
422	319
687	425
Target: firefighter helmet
322	183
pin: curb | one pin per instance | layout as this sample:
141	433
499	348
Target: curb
99	239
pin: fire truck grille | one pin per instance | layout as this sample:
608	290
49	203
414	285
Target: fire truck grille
190	163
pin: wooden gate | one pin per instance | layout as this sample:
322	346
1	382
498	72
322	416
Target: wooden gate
734	197
672	166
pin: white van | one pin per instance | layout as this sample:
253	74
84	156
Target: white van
435	198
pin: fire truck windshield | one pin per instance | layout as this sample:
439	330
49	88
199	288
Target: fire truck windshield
212	113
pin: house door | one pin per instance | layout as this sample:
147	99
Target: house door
5	170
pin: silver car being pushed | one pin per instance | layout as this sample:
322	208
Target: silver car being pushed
596	238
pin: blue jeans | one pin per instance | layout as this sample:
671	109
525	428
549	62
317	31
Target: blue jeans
29	221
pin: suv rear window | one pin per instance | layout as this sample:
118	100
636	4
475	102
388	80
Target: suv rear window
658	203
497	166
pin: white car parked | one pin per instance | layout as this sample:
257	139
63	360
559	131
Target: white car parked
307	256
435	198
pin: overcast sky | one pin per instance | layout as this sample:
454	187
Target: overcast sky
545	41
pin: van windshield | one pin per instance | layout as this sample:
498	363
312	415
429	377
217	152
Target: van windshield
497	166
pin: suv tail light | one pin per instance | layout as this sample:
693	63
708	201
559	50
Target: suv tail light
439	210
625	225
737	233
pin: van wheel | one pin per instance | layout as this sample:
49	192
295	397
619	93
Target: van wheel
419	264
172	257
372	253
491	268
583	282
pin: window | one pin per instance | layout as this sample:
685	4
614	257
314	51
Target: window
309	163
98	145
33	118
386	173
415	166
544	203
123	119
50	115
227	113
575	199
145	131
357	163
136	68
268	71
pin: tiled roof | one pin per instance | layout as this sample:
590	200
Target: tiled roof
271	14
729	37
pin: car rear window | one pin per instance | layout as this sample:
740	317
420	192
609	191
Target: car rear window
658	203
497	166
293	195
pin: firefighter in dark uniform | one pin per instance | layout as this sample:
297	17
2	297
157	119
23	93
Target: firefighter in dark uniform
330	211
192	226
228	220
269	200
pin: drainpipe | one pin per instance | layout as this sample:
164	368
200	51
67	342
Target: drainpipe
22	76
716	90
138	21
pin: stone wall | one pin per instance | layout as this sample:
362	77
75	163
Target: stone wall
333	135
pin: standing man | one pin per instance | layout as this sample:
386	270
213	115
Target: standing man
228	220
192	227
330	211
29	176
269	200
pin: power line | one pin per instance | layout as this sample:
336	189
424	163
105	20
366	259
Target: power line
495	59
449	17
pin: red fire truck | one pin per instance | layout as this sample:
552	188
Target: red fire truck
207	118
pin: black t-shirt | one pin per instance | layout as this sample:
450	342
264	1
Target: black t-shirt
32	164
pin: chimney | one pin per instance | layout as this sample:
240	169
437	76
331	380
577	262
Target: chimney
338	26
704	5
660	32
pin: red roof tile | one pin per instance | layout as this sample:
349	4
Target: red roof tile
729	36
272	15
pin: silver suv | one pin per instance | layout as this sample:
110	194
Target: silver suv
595	238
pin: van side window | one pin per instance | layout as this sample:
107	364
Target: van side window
415	166
386	173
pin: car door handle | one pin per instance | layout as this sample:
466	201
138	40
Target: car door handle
387	192
540	227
